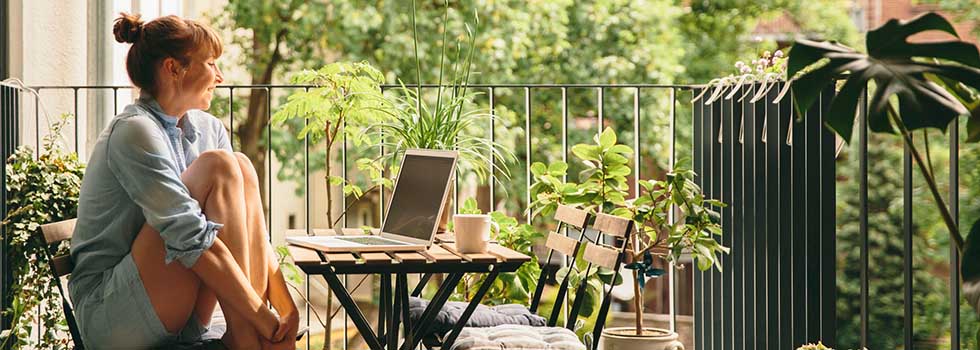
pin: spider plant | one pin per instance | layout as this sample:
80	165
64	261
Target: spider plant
452	122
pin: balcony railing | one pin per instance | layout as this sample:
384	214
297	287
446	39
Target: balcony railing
775	291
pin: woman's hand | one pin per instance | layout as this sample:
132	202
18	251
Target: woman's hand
285	335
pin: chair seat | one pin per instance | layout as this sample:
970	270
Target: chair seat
483	316
517	338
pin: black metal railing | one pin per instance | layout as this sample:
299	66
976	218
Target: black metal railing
520	95
779	286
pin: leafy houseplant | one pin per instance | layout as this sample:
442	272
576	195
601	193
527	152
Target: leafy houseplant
42	191
448	123
692	230
510	287
933	84
604	188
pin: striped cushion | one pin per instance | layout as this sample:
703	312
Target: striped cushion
517	337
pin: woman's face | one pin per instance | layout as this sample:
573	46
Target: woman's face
201	75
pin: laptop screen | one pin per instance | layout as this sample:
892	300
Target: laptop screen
422	183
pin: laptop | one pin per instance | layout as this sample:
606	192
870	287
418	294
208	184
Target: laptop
414	211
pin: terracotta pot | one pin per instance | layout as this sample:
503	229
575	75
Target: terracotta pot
625	338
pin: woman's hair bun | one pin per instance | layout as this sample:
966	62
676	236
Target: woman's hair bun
127	28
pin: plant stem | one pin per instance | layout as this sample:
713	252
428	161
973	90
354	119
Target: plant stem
930	180
352	205
637	296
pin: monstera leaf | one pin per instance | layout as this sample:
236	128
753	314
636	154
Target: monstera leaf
920	74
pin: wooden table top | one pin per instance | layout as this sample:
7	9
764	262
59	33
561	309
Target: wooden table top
439	257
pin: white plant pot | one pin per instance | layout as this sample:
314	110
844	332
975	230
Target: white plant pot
625	338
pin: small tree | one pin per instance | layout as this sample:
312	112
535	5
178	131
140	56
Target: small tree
345	101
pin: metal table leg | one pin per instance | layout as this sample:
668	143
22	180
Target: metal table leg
350	307
445	291
401	286
384	315
421	285
484	287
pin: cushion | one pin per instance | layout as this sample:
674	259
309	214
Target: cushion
483	316
517	338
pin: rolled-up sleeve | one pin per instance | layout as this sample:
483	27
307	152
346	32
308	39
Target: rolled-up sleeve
139	156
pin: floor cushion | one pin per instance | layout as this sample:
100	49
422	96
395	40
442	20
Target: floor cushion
483	316
513	337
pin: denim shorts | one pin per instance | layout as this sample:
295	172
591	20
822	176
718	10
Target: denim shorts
120	315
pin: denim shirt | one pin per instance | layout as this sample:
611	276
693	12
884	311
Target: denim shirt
132	178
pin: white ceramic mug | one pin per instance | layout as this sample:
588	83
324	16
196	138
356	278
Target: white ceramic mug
472	232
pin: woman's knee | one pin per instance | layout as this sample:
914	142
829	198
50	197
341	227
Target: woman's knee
249	175
218	165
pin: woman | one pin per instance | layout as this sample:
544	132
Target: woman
170	221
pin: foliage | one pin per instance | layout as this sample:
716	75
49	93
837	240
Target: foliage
770	68
510	287
603	188
443	125
817	346
345	99
934	83
692	230
891	64
886	251
40	191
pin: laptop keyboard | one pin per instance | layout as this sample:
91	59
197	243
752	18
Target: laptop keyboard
370	241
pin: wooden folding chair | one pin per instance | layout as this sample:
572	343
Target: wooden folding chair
597	255
61	266
569	219
600	255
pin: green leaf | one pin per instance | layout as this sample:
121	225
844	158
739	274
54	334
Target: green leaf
538	169
558	168
586	152
606	276
970	267
607	139
621	149
891	40
890	64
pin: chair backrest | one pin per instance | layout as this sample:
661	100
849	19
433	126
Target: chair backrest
610	257
559	241
54	233
61	265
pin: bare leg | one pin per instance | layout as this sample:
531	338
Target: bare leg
216	181
257	234
258	245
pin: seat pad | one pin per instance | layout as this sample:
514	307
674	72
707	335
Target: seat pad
483	316
515	337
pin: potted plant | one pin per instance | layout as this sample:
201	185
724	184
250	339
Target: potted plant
509	287
42	190
933	83
659	237
604	188
345	100
447	124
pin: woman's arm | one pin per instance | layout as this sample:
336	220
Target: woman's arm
217	264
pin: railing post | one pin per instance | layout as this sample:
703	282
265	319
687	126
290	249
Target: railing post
9	140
